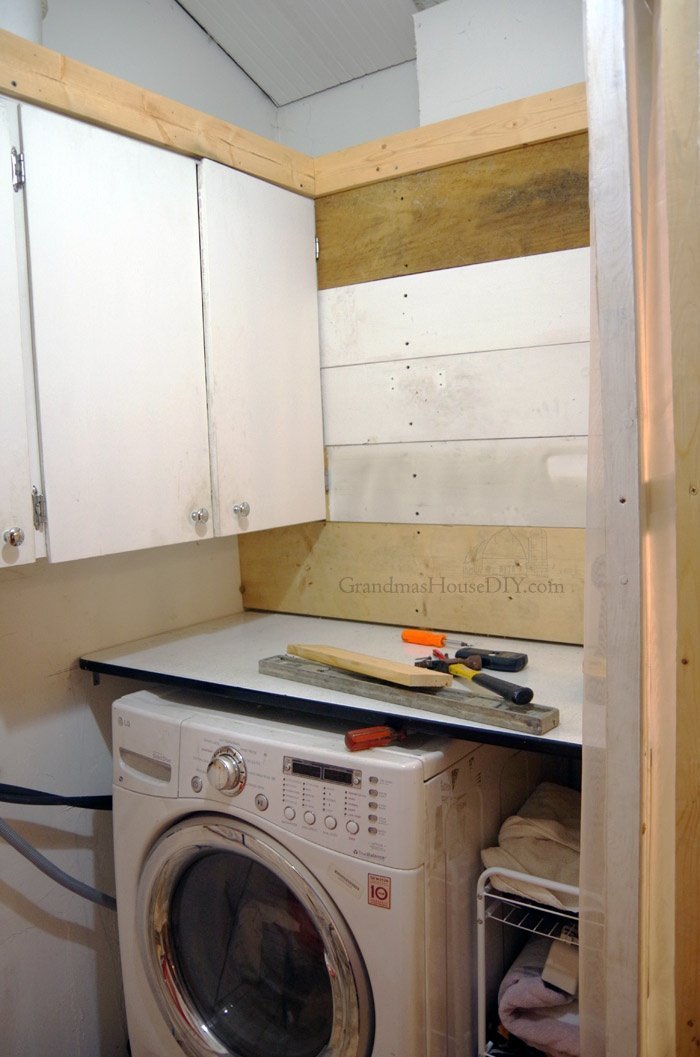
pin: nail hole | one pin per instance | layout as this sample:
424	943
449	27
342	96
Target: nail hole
623	499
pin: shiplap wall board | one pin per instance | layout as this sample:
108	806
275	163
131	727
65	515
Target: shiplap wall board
526	301
460	396
528	481
537	392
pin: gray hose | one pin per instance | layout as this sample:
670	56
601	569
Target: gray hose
51	870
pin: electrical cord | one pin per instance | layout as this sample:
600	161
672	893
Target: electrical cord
17	794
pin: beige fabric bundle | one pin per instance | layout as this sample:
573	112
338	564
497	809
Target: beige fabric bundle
543	840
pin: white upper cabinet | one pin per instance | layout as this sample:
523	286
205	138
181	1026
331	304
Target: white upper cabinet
16	524
118	338
262	349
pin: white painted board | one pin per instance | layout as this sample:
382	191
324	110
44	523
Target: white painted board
533	392
262	348
527	481
15	476
527	301
114	247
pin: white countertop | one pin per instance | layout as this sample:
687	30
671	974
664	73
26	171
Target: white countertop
225	653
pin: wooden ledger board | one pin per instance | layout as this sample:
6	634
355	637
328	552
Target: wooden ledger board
449	701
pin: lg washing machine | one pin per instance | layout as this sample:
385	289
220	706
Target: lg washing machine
279	896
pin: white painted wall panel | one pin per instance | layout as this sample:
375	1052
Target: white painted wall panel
528	481
155	44
473	54
365	109
538	300
535	392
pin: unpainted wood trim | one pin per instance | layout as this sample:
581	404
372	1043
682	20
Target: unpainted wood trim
35	74
613	708
680	28
549	115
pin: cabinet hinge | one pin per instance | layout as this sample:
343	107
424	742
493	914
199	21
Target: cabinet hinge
317	247
19	177
39	508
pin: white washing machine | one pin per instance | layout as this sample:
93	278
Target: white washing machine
279	896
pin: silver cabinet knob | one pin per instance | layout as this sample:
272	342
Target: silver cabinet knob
14	536
226	771
241	509
201	516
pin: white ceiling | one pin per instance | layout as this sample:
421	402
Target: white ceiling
295	48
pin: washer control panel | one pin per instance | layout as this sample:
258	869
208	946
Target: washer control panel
373	812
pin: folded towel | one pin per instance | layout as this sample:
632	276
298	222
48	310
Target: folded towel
539	1015
542	840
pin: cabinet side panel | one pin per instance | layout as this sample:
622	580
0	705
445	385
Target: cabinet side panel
15	481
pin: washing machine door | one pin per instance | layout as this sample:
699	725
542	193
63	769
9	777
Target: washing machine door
246	954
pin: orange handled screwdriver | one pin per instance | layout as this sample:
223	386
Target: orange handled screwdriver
372	738
497	660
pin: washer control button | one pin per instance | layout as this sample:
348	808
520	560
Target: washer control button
309	818
289	812
372	818
352	826
331	822
372	829
261	802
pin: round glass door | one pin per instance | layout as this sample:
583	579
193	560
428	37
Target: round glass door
246	953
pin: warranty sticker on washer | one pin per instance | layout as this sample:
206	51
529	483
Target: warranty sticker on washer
379	890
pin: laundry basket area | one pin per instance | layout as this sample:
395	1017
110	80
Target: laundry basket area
527	931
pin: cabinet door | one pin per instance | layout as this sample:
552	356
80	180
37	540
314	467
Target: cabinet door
116	297
16	526
261	327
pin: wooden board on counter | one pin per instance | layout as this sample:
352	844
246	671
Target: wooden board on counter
448	701
520	582
520	202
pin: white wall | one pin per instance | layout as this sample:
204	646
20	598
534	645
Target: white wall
59	959
472	54
155	44
352	113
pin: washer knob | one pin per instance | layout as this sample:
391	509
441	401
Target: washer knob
226	771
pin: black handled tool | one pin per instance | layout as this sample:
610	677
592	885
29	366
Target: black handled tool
519	695
496	660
